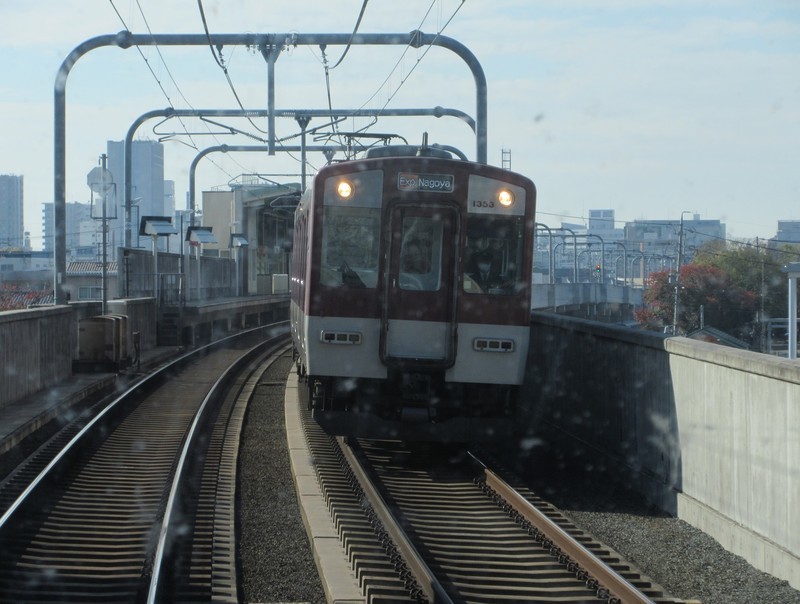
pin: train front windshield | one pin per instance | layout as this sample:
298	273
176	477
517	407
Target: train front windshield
420	254
350	245
494	255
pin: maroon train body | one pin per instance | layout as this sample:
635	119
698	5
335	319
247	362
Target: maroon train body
410	295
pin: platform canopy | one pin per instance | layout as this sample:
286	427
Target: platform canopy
157	226
200	234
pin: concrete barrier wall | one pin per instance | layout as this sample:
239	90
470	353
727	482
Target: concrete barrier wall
709	433
35	350
38	345
739	425
596	299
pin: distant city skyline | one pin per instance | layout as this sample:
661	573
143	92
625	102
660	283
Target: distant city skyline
650	109
12	229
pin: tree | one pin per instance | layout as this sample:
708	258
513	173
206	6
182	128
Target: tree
658	307
707	297
754	268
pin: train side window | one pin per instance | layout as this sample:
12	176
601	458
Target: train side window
421	254
350	242
493	255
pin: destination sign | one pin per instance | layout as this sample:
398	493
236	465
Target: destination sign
437	183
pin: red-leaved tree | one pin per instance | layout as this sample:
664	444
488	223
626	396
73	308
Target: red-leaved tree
707	296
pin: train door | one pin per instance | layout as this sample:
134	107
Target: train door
418	323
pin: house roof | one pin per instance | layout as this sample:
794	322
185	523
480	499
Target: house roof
717	336
90	269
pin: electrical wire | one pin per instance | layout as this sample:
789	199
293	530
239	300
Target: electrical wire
419	59
220	61
192	144
327	69
217	53
208	36
355	31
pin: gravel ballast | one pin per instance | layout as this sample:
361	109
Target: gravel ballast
275	559
276	562
687	562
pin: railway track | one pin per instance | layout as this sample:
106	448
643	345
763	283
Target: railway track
437	525
139	504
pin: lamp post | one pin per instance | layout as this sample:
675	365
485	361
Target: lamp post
238	241
101	181
197	236
155	227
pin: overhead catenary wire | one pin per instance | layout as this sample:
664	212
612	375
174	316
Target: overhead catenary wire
355	31
192	143
217	54
419	59
327	69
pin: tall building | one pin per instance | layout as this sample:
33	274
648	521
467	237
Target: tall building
601	220
663	236
788	233
602	223
79	219
169	198
12	233
147	186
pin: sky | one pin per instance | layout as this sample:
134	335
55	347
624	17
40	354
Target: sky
651	109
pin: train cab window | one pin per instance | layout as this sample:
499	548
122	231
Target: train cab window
493	255
421	254
350	242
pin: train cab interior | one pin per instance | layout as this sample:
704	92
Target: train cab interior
492	255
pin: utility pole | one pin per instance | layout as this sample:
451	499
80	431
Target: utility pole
678	278
792	271
104	268
761	322
100	181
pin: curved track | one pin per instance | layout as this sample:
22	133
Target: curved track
130	510
433	524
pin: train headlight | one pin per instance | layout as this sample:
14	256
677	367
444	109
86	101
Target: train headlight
345	190
505	198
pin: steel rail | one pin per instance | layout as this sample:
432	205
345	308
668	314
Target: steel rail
427	581
271	337
606	576
146	381
194	432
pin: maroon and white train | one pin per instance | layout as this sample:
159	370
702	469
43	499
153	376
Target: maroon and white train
410	295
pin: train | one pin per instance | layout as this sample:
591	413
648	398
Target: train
410	289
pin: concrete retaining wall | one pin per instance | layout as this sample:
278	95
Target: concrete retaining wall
709	433
38	345
35	350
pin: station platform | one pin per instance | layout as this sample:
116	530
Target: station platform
21	418
338	579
